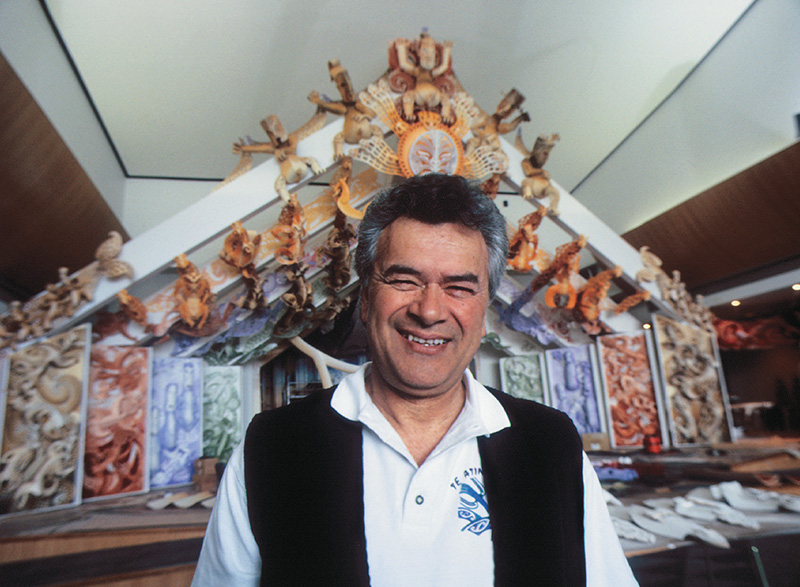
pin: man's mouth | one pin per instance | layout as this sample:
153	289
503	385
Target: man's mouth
430	342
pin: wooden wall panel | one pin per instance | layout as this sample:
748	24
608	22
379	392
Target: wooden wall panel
746	223
51	214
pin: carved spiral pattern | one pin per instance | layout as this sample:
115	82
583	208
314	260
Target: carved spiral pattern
40	439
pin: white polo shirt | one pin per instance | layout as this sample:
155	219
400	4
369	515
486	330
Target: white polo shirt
425	525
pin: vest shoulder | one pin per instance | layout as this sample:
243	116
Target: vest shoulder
293	414
533	418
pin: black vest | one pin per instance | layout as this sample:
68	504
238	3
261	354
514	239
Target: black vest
305	496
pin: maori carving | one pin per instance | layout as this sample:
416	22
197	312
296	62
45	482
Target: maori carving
522	377
299	302
426	84
427	145
696	402
15	326
564	263
673	291
132	308
284	146
631	392
176	423
290	233
116	416
523	246
106	254
340	184
631	301
337	249
537	181
192	294
572	388
357	116
486	130
41	437
239	251
222	409
592	293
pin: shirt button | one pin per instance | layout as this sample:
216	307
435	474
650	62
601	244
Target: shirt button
419	500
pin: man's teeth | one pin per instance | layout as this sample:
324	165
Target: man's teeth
426	341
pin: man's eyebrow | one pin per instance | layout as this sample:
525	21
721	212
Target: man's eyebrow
400	270
405	270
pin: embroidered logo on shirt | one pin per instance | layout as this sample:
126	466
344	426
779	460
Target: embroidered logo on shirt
472	501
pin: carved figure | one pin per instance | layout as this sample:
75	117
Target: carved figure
49	306
537	181
110	323
107	262
631	301
298	300
132	307
356	115
340	184
564	262
241	246
74	290
593	292
562	294
491	186
15	326
426	62
290	232
239	251
673	291
337	249
486	130
192	294
284	146
522	248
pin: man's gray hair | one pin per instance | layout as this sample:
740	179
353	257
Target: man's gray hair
434	199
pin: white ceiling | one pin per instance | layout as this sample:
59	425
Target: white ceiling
176	82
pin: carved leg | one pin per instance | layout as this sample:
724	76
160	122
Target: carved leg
338	146
447	115
409	99
312	163
280	187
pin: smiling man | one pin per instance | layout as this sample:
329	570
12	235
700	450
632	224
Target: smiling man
410	472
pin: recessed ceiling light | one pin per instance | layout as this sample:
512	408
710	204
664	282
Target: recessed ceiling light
736	303
796	287
646	326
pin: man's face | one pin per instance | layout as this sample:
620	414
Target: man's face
425	306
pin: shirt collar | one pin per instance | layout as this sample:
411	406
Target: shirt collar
481	411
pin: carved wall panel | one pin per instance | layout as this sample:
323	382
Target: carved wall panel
116	421
697	402
524	376
573	387
222	411
176	420
42	452
632	405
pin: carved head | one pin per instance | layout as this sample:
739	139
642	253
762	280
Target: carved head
341	78
274	129
123	296
510	102
426	51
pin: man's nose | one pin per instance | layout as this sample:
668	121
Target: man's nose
428	307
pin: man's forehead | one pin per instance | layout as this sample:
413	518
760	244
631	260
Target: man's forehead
452	248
